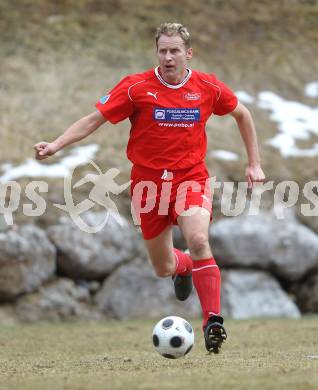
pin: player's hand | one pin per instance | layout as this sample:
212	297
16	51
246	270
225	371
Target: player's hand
254	174
44	150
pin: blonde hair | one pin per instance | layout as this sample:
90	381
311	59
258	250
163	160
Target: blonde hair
172	29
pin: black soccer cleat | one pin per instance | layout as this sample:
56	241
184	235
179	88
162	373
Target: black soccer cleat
182	286
214	334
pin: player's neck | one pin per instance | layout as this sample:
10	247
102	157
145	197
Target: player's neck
174	80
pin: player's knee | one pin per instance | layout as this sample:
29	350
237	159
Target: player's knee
198	243
164	271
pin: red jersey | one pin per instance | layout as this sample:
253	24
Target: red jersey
167	120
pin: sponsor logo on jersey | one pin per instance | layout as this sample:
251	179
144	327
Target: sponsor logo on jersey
104	99
192	96
153	94
160	114
177	114
167	175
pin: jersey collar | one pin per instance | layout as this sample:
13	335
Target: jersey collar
173	86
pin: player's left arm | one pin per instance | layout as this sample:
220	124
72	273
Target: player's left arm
245	123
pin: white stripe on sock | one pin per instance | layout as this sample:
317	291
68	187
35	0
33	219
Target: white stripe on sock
213	314
206	266
177	262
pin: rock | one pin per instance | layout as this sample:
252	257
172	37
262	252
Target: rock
92	286
133	291
307	294
311	222
3	224
247	294
59	300
285	248
27	259
88	256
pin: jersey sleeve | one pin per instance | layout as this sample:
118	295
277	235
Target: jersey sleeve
226	101
117	104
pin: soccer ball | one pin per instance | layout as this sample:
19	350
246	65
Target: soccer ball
173	337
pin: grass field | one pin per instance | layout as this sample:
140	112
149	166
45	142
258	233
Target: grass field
263	354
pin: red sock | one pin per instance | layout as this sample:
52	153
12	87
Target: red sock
183	263
207	281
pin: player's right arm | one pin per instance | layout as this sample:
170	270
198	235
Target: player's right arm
77	131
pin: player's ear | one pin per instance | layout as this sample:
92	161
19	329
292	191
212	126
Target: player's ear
189	53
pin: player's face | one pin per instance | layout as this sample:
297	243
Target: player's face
172	57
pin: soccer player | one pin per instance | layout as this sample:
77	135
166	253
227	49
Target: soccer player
168	108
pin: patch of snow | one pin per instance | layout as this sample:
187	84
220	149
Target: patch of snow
244	97
33	168
224	155
311	89
296	121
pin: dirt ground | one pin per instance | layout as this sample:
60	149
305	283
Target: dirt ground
263	354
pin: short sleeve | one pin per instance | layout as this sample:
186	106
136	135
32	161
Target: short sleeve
226	100
117	104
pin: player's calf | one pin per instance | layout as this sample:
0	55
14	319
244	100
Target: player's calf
182	286
182	278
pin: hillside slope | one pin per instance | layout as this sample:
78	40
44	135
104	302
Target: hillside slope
58	58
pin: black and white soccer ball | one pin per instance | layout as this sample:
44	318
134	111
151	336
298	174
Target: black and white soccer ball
173	337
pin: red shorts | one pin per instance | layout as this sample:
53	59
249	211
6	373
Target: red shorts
160	196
